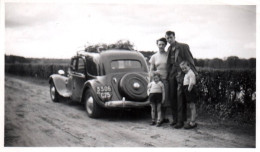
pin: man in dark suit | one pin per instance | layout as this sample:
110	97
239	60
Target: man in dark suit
177	52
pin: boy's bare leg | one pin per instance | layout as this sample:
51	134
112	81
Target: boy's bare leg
159	113
153	111
193	113
191	122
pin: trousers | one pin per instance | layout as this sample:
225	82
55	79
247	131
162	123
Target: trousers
178	104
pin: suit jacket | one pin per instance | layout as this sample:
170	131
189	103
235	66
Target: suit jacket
182	53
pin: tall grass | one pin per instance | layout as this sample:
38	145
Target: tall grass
34	70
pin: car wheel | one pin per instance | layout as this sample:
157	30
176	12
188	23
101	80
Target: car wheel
92	108
53	92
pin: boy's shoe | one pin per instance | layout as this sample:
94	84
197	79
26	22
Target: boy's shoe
173	123
159	124
165	120
189	126
152	123
178	125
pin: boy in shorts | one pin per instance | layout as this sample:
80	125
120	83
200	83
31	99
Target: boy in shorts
189	93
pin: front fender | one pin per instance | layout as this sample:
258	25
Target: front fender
60	82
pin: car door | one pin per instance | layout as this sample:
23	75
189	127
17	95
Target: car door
71	70
78	79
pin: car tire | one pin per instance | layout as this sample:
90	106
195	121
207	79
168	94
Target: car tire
53	93
92	108
127	88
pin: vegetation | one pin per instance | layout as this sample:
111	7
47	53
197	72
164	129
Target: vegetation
121	44
232	62
12	59
34	70
228	94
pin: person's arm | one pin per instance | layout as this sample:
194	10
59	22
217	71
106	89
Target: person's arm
168	63
190	87
192	81
148	88
152	67
163	93
188	56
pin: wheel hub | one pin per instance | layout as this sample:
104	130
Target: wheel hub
53	92
89	105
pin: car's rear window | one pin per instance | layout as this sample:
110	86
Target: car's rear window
125	64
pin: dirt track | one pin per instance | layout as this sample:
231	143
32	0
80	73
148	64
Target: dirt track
32	119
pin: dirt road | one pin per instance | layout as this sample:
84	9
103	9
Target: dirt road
32	119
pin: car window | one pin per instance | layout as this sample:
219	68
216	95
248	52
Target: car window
73	65
81	66
125	64
91	66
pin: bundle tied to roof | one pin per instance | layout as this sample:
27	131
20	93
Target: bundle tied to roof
121	44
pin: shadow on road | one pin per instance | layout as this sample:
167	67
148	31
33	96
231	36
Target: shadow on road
133	114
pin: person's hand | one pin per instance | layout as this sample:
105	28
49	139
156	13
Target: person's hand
189	89
179	87
163	100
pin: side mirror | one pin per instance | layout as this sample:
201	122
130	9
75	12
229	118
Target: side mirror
61	72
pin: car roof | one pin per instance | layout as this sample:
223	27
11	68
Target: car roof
104	58
112	54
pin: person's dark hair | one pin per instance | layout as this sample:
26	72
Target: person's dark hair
185	63
157	74
161	39
168	33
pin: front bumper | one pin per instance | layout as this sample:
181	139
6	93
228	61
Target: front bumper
125	104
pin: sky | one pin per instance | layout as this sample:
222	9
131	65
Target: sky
58	30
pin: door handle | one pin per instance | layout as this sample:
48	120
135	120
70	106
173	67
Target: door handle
80	75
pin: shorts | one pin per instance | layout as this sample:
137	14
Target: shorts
190	96
155	98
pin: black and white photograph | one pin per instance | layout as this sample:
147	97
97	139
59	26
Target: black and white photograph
113	74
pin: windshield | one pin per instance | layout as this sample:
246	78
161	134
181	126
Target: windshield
125	64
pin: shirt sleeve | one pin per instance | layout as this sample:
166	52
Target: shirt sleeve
161	85
192	78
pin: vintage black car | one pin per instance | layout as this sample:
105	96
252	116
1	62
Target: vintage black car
107	79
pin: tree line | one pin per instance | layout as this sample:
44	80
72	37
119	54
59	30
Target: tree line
233	62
